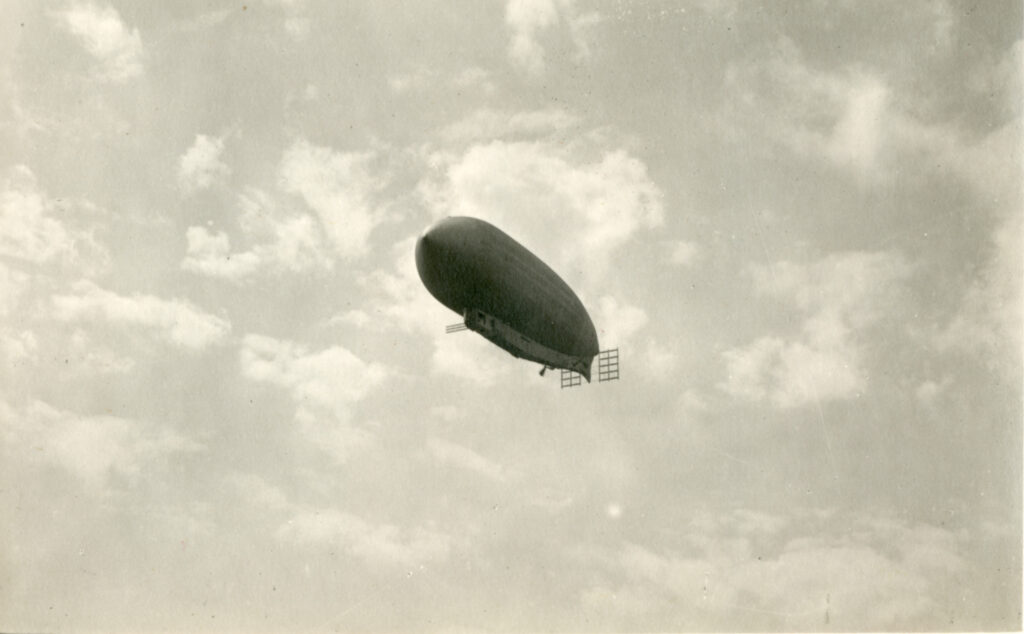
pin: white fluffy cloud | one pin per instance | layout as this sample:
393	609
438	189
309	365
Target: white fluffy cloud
574	214
325	385
90	448
281	241
104	35
210	254
41	231
340	188
175	320
200	166
333	378
839	296
617	322
30	230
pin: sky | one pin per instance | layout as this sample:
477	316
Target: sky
227	403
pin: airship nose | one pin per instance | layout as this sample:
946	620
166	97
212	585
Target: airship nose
435	244
428	249
444	256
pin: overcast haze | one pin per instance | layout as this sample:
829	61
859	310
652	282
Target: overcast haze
228	403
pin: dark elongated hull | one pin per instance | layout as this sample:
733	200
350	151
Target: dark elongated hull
506	293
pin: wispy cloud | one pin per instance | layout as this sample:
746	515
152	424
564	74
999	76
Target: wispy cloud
683	252
339	187
751	569
487	124
839	296
473	79
528	20
92	449
175	320
398	300
454	454
13	284
325	386
374	544
104	35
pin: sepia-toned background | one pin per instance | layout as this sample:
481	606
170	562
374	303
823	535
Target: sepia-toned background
228	404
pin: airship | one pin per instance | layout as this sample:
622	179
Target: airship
511	297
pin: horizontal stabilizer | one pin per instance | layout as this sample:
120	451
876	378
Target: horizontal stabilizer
459	327
571	379
607	369
608	365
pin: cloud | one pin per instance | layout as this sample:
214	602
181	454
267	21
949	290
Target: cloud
38	230
339	188
94	358
683	252
176	320
752	570
17	347
842	116
456	455
296	23
617	322
31	233
471	79
929	391
398	296
849	116
399	300
988	322
200	166
325	386
283	242
571	213
858	133
839	295
13	285
104	35
374	544
468	357
486	124
210	254
527	20
257	492
93	449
